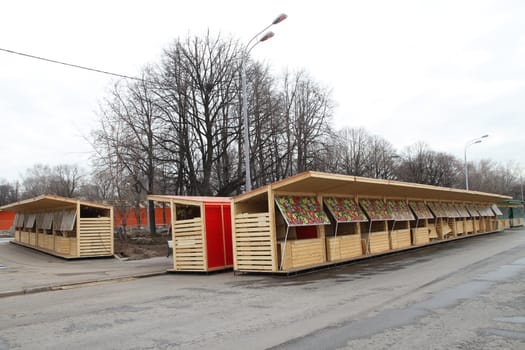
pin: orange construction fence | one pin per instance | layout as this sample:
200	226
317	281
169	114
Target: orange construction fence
162	217
6	220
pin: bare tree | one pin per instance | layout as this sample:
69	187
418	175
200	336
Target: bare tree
199	95
8	192
420	164
62	180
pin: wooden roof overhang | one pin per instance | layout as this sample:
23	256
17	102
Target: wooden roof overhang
345	185
190	200
46	202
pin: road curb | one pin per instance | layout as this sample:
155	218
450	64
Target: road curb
65	286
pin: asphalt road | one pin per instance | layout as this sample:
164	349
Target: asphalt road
468	294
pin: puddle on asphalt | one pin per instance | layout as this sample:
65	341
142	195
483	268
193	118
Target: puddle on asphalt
3	345
511	319
505	333
503	273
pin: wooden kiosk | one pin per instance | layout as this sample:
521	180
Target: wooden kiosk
400	236
499	220
440	227
376	237
487	218
474	218
315	219
420	229
65	227
343	236
201	232
302	242
461	226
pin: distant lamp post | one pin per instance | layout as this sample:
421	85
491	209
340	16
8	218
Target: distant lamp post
247	50
467	145
521	184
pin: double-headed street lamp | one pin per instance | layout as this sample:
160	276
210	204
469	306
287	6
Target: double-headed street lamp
467	145
247	50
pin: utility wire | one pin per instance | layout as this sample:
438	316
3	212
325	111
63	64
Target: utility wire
73	65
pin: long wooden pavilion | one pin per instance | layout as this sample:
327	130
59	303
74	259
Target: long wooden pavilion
315	219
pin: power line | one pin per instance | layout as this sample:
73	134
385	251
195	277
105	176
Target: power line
73	65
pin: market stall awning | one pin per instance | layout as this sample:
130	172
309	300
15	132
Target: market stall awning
485	210
375	209
344	209
496	210
439	210
473	210
451	210
463	212
301	210
421	210
399	210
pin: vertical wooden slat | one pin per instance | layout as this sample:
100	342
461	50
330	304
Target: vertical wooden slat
203	235
233	211
273	230
173	220
321	229
78	229
112	231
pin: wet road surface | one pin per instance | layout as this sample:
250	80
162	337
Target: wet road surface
467	294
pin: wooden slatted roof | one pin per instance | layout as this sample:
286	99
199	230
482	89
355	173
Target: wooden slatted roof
335	184
45	202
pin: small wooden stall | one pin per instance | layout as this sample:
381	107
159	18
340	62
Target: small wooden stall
462	228
343	236
399	227
201	232
375	234
314	219
475	219
487	218
420	230
455	221
500	223
64	227
303	243
440	225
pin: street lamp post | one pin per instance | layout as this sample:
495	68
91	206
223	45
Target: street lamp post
247	50
470	143
521	181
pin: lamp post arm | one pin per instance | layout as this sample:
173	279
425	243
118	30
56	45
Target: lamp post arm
470	143
255	37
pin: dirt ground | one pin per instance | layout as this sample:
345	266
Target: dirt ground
141	245
135	245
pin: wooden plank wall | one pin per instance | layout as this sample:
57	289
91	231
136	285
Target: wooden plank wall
95	237
302	252
400	238
253	243
343	247
378	242
188	245
421	235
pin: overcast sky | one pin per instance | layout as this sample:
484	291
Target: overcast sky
442	72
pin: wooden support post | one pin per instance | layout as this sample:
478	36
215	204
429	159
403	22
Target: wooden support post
273	230
204	240
79	229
